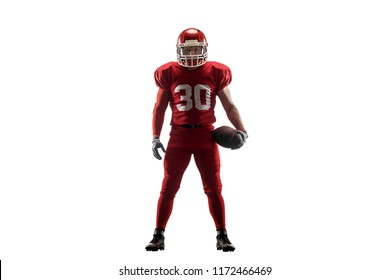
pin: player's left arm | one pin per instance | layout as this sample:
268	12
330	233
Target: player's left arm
232	112
230	108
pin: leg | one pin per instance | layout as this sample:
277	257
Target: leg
175	163
208	163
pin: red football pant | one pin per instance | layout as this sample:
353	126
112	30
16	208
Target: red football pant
183	143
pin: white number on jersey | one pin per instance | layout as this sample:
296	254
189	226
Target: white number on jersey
187	100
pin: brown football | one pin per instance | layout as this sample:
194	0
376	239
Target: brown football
226	137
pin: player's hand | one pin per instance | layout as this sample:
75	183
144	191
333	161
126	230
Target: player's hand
244	136
156	144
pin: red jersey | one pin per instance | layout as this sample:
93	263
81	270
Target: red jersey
193	92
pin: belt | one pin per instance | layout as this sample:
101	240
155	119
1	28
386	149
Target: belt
191	125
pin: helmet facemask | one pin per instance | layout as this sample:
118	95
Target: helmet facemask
191	53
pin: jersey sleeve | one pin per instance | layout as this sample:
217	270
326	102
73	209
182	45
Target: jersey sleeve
161	78
224	77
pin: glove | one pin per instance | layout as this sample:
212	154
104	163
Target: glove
244	136
156	144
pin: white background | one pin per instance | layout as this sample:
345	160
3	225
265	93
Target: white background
79	185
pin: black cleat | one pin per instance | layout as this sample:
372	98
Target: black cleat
157	243
223	242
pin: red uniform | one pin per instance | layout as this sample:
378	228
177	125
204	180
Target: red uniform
192	100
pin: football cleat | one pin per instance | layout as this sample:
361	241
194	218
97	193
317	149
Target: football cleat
157	243
223	242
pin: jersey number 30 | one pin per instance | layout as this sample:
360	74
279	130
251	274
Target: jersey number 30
187	101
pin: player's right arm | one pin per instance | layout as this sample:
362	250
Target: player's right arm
158	120
160	107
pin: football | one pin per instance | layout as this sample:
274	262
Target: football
226	137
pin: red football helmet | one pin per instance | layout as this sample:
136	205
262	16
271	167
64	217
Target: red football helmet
191	48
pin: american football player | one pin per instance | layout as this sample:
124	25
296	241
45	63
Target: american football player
191	86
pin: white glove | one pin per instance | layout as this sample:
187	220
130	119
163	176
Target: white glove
156	144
